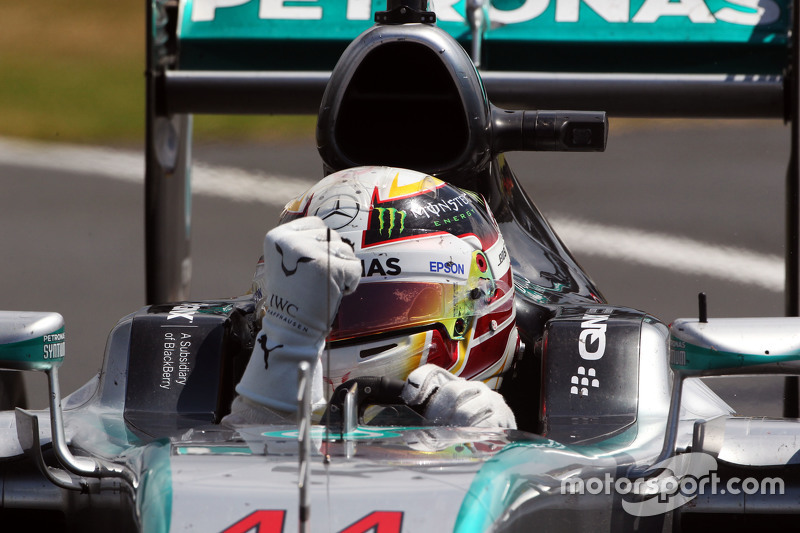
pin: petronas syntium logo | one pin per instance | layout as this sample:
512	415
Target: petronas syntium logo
395	217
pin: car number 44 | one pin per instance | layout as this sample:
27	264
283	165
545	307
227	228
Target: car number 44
272	521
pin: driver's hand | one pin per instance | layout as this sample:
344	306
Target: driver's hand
449	400
304	279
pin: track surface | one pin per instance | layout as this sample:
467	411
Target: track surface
73	239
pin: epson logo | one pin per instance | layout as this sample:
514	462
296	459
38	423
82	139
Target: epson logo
448	268
592	340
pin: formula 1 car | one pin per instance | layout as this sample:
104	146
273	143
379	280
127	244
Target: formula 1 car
615	430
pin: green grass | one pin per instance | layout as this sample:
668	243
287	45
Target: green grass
71	100
254	128
74	71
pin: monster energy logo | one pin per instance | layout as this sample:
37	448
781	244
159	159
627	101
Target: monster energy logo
393	214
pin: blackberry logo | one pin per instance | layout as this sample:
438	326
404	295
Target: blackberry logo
583	381
394	217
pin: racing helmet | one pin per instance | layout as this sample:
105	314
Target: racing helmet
435	284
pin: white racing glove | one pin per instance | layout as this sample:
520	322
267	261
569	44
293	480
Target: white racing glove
454	401
302	287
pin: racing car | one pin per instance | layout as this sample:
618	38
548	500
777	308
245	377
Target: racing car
616	431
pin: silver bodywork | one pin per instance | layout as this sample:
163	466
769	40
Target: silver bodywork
210	477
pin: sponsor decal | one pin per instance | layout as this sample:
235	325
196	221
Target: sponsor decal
386	223
285	311
452	219
677	352
54	351
278	302
54	346
737	12
423	214
442	207
591	347
262	341
503	255
286	271
175	367
378	268
344	210
392	215
186	311
592	340
448	268
584	379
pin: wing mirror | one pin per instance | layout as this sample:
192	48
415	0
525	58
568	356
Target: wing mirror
730	346
36	341
31	340
726	347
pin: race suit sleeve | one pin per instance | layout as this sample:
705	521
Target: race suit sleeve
308	268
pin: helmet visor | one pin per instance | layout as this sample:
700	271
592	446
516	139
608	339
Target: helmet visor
381	307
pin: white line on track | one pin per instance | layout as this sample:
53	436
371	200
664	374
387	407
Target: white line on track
670	252
223	182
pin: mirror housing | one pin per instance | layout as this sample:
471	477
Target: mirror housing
36	341
31	340
735	346
725	347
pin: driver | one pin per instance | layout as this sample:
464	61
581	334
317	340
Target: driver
383	271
